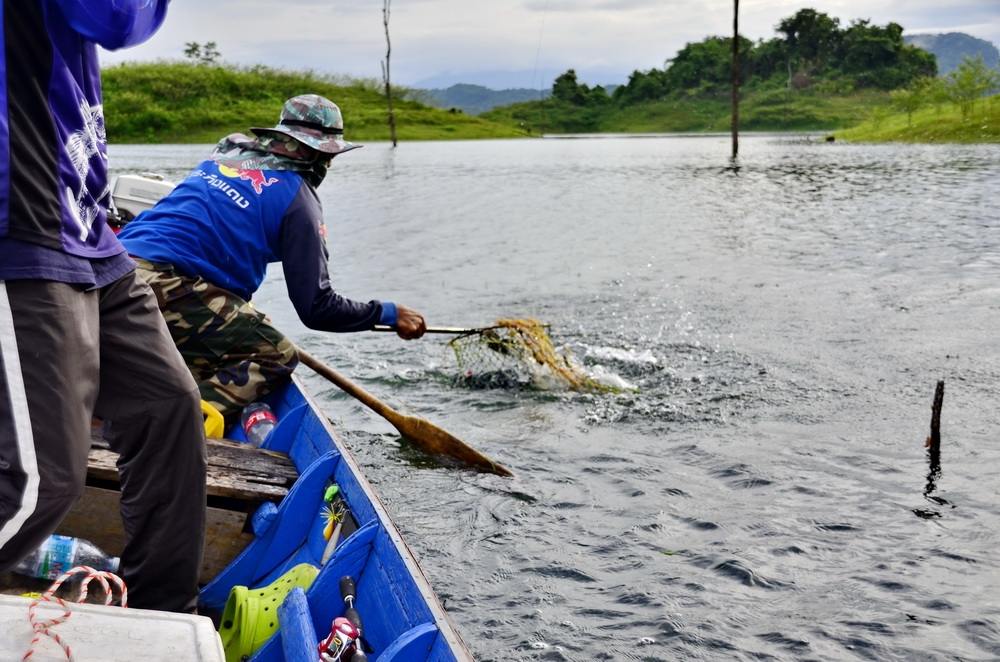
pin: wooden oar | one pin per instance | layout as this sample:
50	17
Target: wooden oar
427	436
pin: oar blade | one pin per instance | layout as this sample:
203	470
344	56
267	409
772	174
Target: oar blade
435	441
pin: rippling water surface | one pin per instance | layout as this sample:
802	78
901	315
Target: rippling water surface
765	492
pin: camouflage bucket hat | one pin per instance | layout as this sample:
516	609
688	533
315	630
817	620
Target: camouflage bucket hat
313	121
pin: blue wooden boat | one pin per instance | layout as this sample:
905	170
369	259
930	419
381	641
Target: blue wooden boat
402	618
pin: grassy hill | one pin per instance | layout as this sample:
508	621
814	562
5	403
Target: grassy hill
168	102
943	124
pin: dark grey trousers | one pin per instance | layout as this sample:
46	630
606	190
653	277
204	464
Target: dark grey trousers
67	355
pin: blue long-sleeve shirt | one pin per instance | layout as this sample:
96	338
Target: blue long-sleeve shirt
53	165
226	225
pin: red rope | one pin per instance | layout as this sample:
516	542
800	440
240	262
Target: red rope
44	628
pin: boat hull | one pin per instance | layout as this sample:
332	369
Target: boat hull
402	618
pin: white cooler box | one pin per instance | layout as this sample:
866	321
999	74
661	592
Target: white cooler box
96	633
133	194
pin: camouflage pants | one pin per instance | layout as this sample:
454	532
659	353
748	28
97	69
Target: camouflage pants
234	354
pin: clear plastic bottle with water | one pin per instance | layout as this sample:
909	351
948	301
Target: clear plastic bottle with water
60	553
258	420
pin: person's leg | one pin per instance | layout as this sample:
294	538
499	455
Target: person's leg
49	353
154	422
235	355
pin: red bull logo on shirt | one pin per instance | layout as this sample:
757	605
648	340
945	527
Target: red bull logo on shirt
256	178
217	182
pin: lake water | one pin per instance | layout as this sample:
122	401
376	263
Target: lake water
765	492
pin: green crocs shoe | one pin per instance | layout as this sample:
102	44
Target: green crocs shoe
251	615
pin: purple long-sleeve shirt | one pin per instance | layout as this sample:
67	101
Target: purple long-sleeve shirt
53	162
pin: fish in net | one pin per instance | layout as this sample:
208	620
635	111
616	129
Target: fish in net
515	352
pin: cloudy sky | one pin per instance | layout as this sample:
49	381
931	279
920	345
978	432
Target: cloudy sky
507	43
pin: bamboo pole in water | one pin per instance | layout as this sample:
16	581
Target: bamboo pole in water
736	78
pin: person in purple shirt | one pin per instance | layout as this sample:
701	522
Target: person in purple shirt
205	247
80	334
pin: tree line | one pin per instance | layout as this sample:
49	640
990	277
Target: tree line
812	50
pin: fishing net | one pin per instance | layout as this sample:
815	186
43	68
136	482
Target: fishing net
518	351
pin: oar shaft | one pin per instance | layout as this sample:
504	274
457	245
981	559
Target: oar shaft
373	403
427	436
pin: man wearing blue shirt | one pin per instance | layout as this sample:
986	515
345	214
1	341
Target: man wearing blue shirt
205	247
80	333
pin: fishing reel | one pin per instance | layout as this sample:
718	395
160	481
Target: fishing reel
342	644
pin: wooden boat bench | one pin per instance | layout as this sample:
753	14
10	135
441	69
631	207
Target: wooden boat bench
239	479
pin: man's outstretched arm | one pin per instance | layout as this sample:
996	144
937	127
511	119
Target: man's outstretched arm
304	261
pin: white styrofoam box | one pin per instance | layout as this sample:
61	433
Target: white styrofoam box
136	193
96	633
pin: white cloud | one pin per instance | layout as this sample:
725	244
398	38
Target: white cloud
602	39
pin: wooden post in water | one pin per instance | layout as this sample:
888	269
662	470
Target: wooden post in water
934	441
385	72
933	445
736	78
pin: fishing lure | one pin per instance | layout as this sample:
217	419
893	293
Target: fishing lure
333	511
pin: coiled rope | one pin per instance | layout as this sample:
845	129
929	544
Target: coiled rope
43	628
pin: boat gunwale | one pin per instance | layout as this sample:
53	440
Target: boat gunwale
441	618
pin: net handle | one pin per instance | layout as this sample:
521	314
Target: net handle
450	330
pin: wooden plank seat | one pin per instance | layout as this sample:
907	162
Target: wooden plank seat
235	471
239	479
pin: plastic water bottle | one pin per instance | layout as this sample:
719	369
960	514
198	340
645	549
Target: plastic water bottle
258	421
60	553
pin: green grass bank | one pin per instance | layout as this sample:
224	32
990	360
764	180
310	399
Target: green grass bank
177	102
936	124
860	117
760	110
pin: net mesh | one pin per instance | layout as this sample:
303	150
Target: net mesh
514	351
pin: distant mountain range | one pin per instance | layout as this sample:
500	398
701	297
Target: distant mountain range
511	79
475	99
951	47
